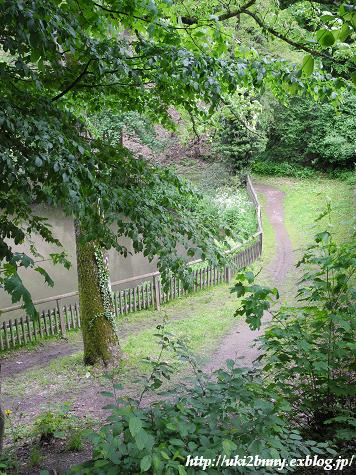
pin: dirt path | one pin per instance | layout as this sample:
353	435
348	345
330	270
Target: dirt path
239	343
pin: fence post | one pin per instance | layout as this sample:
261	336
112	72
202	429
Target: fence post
157	290
62	321
228	274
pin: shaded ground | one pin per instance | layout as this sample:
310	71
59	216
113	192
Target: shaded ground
25	359
239	343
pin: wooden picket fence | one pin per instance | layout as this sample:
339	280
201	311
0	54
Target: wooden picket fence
148	293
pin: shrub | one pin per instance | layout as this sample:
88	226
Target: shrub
236	412
309	349
274	168
313	134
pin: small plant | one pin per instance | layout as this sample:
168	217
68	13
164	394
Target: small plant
53	424
7	464
74	441
35	456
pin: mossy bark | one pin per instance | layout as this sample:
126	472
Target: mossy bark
101	343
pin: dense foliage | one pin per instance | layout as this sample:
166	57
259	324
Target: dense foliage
240	132
313	134
235	414
61	61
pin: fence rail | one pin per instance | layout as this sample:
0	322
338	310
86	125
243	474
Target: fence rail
60	318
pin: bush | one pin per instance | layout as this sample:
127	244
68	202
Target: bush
268	167
234	413
344	175
309	349
313	134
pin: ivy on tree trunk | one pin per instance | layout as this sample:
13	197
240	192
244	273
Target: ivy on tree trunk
101	343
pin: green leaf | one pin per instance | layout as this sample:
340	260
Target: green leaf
14	286
308	65
46	276
230	364
176	442
107	394
144	440
344	32
181	470
228	447
38	162
325	37
145	463
135	425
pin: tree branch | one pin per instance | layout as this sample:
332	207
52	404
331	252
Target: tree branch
119	12
293	43
225	16
73	84
123	84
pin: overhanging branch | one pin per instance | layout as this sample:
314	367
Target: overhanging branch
225	16
73	84
291	42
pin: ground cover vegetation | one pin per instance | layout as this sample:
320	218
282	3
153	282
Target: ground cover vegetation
75	76
300	402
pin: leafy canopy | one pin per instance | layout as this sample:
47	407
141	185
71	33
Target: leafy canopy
59	62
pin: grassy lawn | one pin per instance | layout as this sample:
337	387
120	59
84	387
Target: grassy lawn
202	319
304	201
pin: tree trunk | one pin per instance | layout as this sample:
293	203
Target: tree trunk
101	343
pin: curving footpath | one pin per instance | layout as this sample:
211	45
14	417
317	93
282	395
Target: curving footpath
239	343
